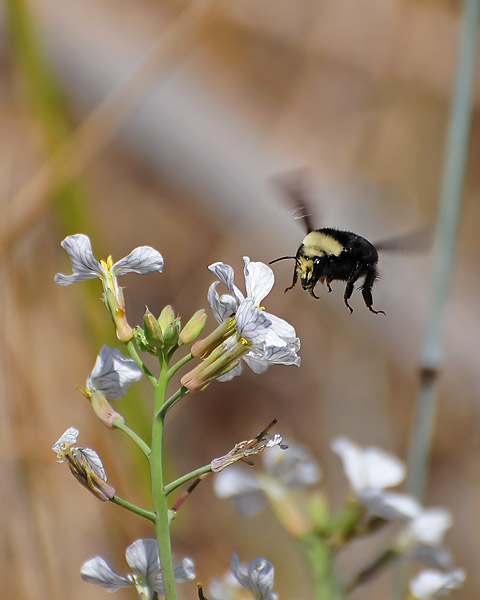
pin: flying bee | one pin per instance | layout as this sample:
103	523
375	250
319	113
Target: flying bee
330	254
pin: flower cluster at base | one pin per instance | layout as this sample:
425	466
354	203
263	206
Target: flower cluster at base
146	576
85	465
246	332
256	577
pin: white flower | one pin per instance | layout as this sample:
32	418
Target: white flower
368	468
84	463
273	340
113	374
85	266
146	577
257	577
431	584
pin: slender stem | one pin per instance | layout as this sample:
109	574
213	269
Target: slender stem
183	361
142	512
145	448
451	192
159	496
320	559
181	480
183	391
134	354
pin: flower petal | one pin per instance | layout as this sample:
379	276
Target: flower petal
97	570
430	526
113	373
259	279
184	571
69	437
251	322
142	557
223	307
226	275
429	584
368	468
84	264
142	260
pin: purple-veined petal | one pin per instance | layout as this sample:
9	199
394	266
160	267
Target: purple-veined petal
142	557
84	264
223	307
184	571
226	275
97	570
251	322
69	437
389	505
113	374
259	280
235	372
142	260
258	578
92	460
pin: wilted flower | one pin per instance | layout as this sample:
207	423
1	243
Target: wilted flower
85	465
256	577
146	577
285	470
248	448
430	584
85	266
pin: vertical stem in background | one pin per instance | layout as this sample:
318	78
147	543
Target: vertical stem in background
445	240
160	502
451	192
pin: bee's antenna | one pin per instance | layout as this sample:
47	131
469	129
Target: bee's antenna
282	258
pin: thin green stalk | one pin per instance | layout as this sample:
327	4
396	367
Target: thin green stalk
142	512
134	354
181	480
145	448
183	361
451	192
320	557
159	496
183	391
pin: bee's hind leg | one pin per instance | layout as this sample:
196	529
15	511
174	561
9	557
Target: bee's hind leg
366	288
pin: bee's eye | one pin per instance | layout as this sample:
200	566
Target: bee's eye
316	261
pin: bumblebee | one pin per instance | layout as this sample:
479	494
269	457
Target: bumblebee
327	255
330	254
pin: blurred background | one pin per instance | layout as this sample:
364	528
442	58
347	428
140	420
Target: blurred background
163	123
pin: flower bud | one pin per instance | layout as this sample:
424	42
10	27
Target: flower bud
194	327
202	348
167	316
172	333
153	331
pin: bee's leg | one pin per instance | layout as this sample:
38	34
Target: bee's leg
328	281
294	281
366	288
349	292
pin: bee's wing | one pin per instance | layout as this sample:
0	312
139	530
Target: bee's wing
292	185
419	240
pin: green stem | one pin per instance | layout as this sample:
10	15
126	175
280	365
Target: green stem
147	514
134	354
320	559
145	448
159	496
171	401
181	480
183	361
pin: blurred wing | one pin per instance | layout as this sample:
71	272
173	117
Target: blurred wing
419	240
293	186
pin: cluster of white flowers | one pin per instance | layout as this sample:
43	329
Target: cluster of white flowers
273	340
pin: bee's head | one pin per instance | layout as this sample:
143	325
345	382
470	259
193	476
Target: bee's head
309	269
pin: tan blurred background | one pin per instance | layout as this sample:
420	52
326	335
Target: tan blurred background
181	159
